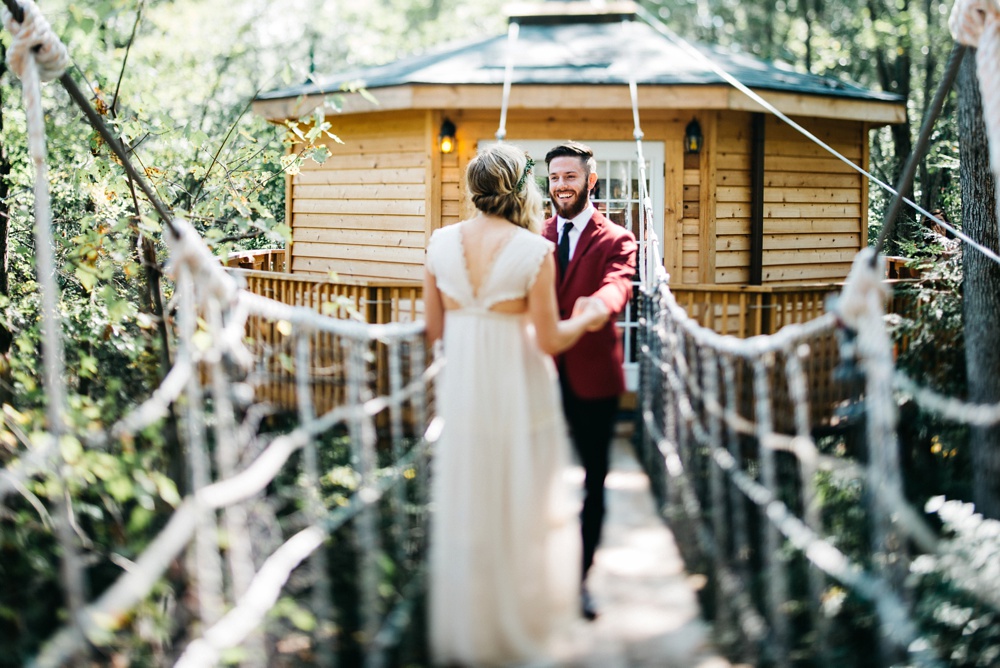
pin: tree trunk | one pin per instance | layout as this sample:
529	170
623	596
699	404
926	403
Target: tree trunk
5	336
893	67
807	17
929	187
981	287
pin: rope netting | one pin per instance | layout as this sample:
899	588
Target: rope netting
347	476
748	469
726	429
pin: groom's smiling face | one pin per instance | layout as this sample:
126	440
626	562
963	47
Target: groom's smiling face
569	185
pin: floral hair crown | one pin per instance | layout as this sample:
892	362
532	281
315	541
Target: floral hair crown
524	177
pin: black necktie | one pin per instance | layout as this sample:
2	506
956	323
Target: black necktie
564	247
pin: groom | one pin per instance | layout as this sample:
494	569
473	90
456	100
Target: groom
596	261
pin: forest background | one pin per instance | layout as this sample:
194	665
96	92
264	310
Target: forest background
175	78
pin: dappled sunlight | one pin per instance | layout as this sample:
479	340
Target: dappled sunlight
627	480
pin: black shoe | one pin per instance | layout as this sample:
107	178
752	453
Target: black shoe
587	607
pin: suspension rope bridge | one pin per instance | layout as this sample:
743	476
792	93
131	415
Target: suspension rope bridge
720	459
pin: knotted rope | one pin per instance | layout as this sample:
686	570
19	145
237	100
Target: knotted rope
976	23
34	44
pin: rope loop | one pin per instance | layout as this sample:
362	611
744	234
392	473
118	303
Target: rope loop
864	291
33	37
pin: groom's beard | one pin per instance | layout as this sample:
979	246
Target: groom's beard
572	206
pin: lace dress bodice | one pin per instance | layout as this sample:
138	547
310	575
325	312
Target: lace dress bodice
510	275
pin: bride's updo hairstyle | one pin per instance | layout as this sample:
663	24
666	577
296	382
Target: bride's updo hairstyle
501	183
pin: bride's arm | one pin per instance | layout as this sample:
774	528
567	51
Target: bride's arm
433	308
555	335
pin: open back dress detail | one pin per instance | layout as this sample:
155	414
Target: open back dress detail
504	543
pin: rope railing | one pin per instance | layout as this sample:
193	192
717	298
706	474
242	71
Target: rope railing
404	403
708	438
232	465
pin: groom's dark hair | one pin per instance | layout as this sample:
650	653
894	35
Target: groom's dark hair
574	149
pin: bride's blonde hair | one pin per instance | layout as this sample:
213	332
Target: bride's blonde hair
501	183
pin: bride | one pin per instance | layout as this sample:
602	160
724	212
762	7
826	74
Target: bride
504	543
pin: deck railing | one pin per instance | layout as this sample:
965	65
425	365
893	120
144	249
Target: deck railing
268	259
374	302
753	310
741	311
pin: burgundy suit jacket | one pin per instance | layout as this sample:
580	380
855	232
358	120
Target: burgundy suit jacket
603	265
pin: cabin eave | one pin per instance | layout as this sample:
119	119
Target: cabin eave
589	96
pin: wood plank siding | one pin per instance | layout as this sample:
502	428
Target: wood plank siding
363	213
367	212
815	206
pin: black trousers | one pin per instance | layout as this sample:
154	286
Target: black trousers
591	426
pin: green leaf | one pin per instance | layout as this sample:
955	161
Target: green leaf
166	488
284	231
120	488
301	618
88	366
139	519
86	276
289	164
71	449
321	154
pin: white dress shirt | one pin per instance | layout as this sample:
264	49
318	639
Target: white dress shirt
579	223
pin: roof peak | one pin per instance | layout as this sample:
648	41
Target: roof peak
552	12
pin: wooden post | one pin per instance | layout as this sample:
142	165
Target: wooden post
707	234
757	200
433	179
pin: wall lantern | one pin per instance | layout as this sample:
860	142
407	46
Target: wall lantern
446	138
692	137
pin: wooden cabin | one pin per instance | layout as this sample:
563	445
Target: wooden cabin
754	214
758	203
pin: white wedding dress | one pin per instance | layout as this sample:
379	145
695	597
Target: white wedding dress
504	541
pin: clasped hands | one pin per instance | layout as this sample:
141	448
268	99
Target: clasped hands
594	309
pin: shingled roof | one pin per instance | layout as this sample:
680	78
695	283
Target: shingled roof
574	50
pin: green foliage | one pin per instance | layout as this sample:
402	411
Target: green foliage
954	585
174	81
897	47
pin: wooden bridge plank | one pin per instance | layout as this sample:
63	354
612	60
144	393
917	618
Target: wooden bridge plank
649	611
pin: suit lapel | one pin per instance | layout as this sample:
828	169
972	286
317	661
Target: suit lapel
549	230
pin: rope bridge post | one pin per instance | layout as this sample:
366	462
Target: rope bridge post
976	23
808	470
717	486
512	32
